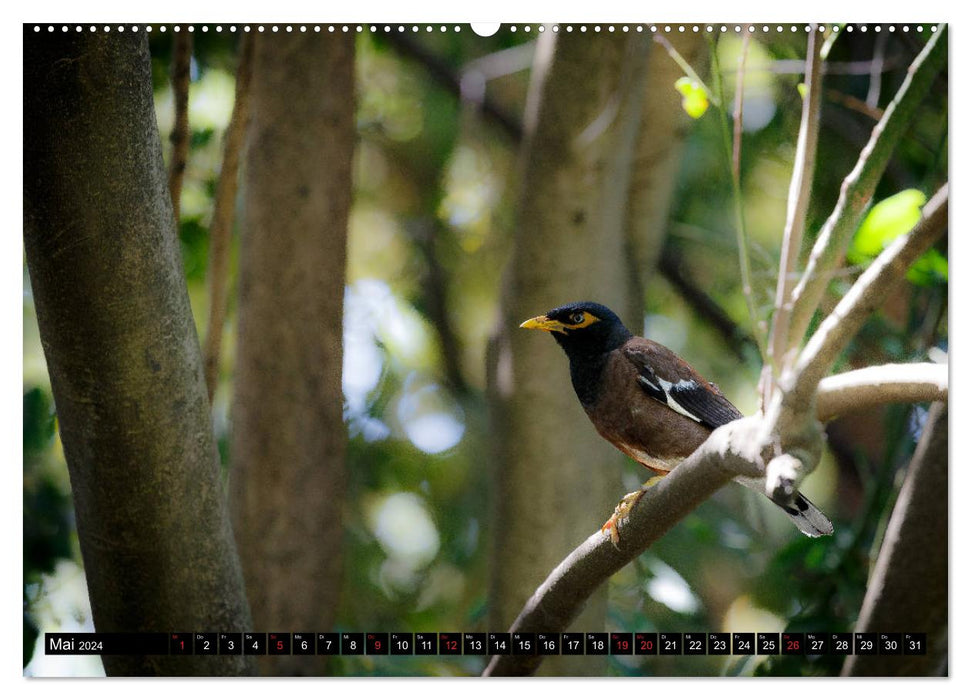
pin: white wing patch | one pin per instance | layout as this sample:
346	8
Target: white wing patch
683	384
644	380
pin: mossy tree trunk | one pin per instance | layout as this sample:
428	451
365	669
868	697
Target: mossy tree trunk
289	440
122	351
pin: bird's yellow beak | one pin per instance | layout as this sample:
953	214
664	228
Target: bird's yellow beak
543	323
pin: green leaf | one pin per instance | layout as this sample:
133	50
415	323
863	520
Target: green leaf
694	100
886	221
802	89
930	269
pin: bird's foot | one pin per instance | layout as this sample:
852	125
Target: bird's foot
622	511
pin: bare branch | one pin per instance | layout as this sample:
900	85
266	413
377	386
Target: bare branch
788	424
738	449
858	187
727	453
737	340
739	103
865	388
855	104
864	297
800	188
181	63
876	70
222	216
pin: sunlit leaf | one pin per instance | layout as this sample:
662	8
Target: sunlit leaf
801	87
886	221
889	219
694	101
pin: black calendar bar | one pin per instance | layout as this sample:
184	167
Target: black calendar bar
108	643
481	643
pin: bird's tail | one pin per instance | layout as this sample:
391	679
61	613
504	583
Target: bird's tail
807	517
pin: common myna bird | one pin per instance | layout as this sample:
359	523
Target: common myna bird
646	401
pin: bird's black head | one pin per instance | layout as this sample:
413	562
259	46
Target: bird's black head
583	329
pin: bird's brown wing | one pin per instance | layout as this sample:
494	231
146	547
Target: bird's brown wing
669	380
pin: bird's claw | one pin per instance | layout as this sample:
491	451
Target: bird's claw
622	511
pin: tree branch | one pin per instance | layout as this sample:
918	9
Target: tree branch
903	597
738	449
800	188
181	64
727	453
736	338
220	229
867	293
788	426
858	187
445	77
865	388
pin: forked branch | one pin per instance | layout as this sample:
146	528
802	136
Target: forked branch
858	187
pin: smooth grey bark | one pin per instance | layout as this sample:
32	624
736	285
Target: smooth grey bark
288	438
122	351
907	591
557	479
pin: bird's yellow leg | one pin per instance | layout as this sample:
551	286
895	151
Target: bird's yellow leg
622	511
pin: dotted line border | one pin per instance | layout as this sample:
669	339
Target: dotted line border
527	28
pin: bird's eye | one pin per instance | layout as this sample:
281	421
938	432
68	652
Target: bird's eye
576	317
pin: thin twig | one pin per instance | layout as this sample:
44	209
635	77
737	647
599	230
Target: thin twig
800	187
855	104
181	64
745	266
736	339
796	67
876	70
220	229
434	295
858	187
688	70
737	114
831	38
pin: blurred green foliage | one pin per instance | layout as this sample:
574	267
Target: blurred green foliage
434	204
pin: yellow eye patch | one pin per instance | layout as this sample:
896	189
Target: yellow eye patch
551	325
586	319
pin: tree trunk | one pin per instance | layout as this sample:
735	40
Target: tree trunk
122	351
557	479
289	440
